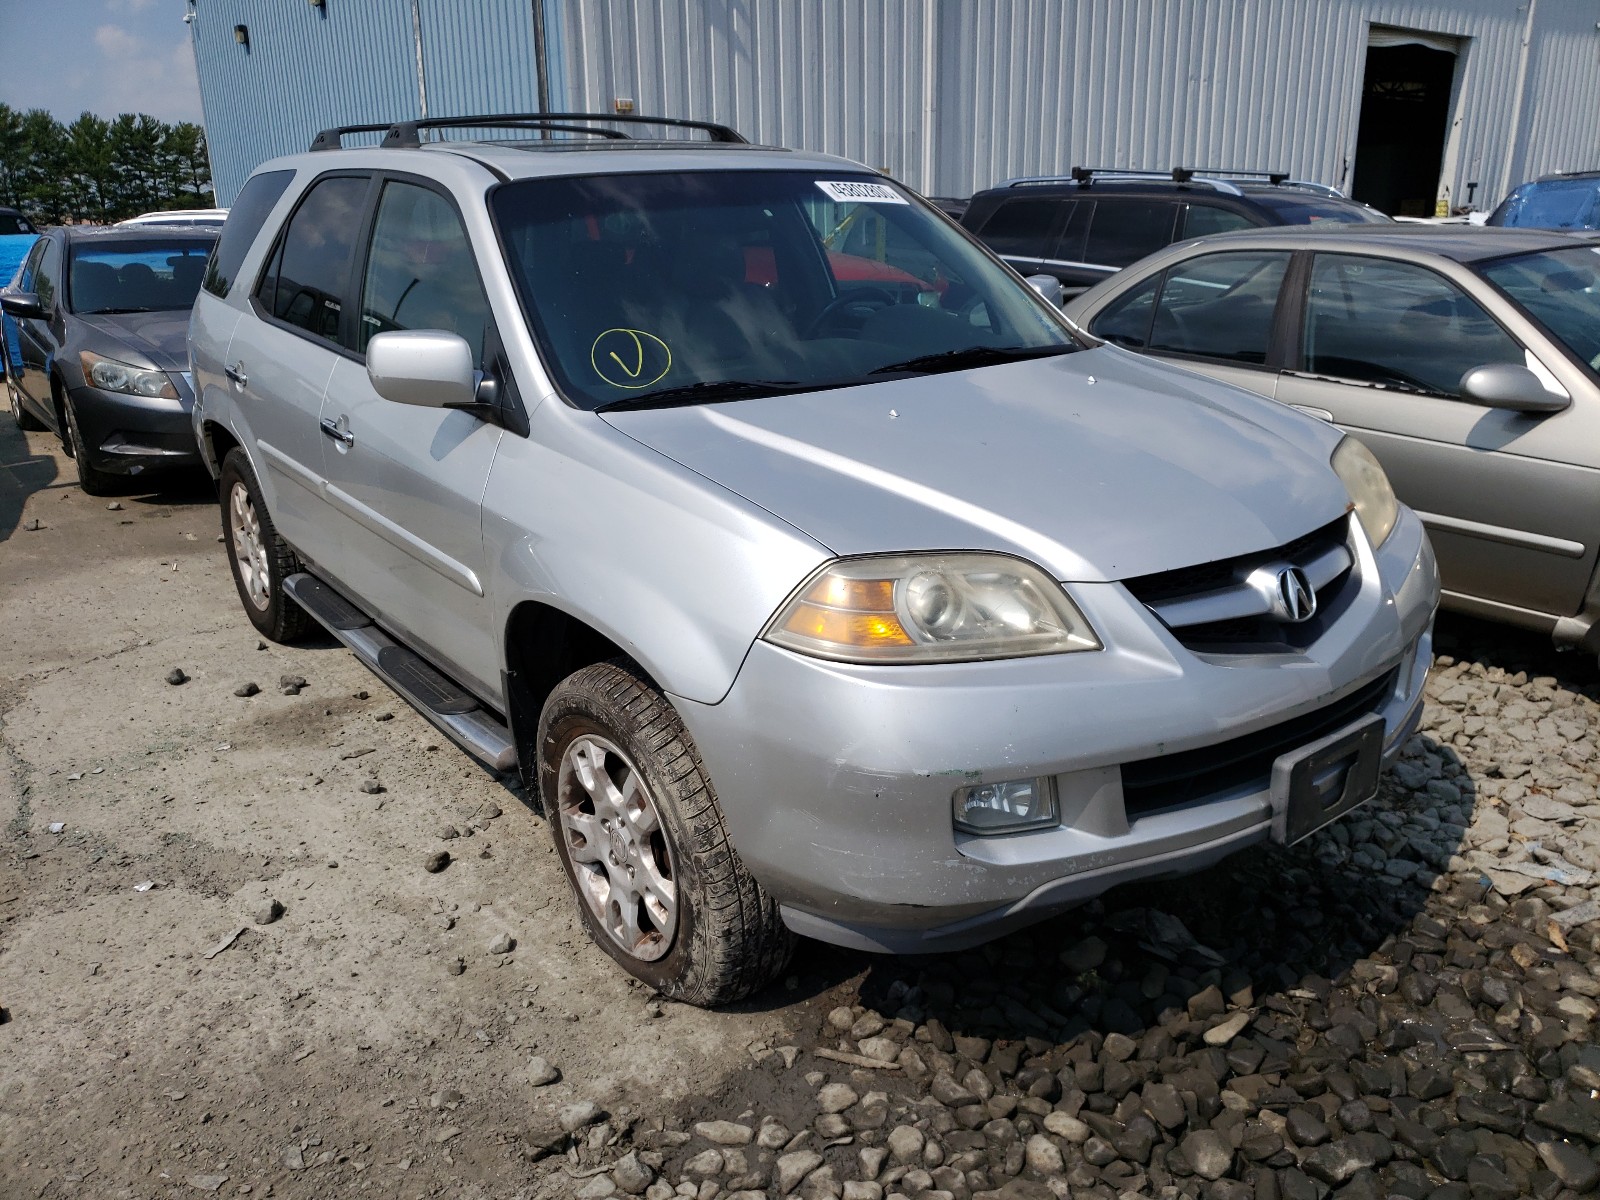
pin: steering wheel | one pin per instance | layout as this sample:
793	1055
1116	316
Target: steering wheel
873	297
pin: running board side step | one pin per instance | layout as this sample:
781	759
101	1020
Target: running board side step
448	706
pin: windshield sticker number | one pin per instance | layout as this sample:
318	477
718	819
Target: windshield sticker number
854	192
630	358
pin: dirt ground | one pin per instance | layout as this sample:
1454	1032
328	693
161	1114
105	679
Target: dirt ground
138	1057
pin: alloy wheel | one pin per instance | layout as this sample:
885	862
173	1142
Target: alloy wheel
249	548
621	861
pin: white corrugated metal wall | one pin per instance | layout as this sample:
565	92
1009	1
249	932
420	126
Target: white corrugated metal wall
952	95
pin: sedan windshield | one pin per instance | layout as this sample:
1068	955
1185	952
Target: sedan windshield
1561	290
659	289
152	274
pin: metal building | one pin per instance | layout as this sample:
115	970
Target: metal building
1406	103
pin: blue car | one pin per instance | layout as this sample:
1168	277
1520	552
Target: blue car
1570	201
17	236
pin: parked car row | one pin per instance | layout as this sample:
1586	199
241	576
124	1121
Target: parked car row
818	575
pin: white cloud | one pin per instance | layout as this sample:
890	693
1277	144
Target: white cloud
128	56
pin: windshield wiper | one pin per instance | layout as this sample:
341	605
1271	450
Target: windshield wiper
972	356
117	312
711	390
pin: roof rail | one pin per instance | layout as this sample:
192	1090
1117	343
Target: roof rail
1083	176
1273	177
407	134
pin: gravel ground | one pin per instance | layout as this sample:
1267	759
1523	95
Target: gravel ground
1403	1006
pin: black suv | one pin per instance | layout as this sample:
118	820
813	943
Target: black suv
1090	224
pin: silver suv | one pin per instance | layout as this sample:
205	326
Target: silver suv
799	556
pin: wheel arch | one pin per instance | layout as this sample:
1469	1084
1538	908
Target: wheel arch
543	645
216	439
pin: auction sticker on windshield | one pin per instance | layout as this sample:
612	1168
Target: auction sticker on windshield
848	191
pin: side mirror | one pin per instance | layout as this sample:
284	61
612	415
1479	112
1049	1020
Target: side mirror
1508	386
1049	287
22	304
425	367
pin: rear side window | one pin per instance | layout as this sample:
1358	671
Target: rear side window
1124	231
1221	306
1023	228
13	224
1200	220
245	218
310	270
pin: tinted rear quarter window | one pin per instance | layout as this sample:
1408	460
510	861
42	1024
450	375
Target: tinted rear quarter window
1022	228
245	218
1201	220
305	284
1124	231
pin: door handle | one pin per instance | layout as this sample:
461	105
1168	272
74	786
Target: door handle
1311	410
236	373
331	428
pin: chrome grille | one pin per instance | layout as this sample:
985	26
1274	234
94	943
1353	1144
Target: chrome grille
1231	606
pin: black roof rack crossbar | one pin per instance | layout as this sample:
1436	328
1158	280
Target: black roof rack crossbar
1178	174
408	133
331	139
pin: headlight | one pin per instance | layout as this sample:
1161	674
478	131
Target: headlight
930	608
112	376
1369	487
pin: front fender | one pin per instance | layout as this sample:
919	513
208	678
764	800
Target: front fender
675	569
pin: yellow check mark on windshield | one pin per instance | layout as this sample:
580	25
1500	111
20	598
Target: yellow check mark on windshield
638	347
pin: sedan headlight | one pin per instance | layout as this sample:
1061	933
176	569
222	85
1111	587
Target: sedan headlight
1369	488
930	608
112	376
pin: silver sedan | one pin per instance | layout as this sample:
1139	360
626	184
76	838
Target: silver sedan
1465	359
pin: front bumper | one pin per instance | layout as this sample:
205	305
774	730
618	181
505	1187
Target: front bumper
128	435
836	781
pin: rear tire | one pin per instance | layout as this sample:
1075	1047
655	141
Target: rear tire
642	839
25	420
261	560
92	480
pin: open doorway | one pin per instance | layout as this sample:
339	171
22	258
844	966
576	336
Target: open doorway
1405	116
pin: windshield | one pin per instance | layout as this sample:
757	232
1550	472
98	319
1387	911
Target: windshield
658	289
11	224
1551	204
1313	210
148	275
1561	290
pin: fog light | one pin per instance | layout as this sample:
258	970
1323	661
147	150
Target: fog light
1006	807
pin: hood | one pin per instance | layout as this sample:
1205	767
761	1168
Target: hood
158	336
1097	465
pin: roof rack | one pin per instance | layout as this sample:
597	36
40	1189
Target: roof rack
1083	176
407	134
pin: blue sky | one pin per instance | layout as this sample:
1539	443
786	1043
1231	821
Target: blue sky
121	56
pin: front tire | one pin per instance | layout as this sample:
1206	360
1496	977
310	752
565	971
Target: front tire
642	839
92	480
261	560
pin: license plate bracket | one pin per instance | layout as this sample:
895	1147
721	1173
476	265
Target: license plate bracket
1319	783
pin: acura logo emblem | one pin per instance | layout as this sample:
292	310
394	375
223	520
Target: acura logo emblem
1296	601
